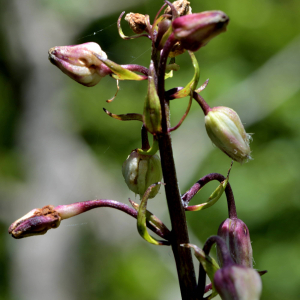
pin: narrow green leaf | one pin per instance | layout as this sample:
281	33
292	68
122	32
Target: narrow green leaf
119	72
214	197
152	219
125	117
209	264
142	217
191	86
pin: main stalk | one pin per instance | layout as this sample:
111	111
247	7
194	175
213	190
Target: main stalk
183	256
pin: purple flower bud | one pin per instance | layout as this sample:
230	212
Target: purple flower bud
196	30
37	222
226	131
235	282
140	171
237	237
80	63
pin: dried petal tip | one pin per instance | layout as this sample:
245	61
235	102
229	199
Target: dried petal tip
196	30
137	22
37	222
237	237
140	171
182	6
80	63
237	282
227	132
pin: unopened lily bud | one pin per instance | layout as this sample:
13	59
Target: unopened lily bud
80	63
196	30
37	222
227	132
237	237
235	282
140	171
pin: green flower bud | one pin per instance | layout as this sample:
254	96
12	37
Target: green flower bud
80	63
227	132
237	237
235	282
140	171
152	109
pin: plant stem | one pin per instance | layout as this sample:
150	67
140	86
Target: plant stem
183	256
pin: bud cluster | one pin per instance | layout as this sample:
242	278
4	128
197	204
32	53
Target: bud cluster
174	31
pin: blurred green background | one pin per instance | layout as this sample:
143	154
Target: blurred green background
57	147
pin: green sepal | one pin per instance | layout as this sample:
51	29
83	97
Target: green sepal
191	86
214	197
125	117
142	217
213	295
169	75
119	72
169	70
209	264
202	87
152	219
152	109
172	67
152	150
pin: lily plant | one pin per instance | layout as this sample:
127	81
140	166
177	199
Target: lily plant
174	31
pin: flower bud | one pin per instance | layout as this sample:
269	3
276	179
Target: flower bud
235	282
237	237
152	109
37	222
80	63
196	30
140	171
227	132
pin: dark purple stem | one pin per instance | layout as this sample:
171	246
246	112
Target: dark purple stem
186	198
145	140
182	255
81	207
227	260
136	68
174	11
201	289
162	67
201	282
205	107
